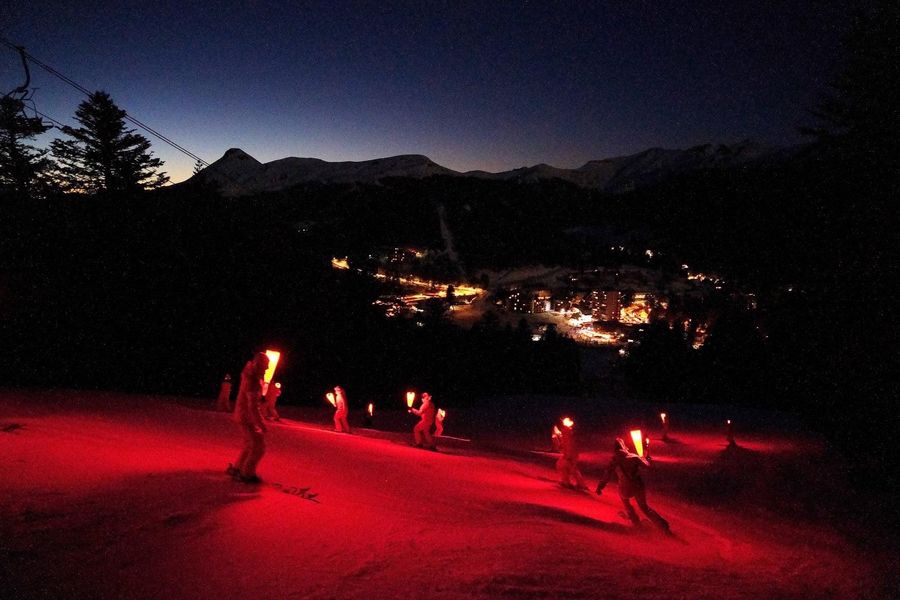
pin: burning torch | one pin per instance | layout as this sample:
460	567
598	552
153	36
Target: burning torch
274	357
556	438
729	433
638	439
330	397
665	425
370	412
410	399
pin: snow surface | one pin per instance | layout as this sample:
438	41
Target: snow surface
105	495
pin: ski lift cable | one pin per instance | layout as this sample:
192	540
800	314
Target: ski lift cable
85	91
56	123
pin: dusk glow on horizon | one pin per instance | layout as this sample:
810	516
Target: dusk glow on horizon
471	86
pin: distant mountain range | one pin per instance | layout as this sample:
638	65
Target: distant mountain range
240	174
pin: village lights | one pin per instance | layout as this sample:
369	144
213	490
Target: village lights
330	397
665	425
410	399
340	263
638	439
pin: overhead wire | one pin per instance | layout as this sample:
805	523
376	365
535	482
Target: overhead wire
87	92
49	118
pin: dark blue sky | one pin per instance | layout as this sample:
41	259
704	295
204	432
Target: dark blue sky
487	85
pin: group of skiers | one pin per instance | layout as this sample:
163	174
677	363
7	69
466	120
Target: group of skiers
624	467
250	403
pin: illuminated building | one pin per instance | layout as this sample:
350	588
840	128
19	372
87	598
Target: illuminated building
541	301
605	305
519	301
638	312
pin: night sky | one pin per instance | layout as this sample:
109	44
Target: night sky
490	85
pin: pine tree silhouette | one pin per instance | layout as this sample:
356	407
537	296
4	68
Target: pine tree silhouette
22	166
103	155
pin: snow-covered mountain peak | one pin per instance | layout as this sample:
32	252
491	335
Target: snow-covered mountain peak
238	173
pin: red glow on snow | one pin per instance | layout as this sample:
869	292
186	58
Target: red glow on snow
330	397
135	499
638	438
410	399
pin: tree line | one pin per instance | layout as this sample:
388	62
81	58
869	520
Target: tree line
100	156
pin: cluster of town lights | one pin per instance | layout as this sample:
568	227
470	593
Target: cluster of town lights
431	288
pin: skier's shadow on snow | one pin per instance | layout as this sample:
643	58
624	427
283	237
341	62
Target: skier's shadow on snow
562	515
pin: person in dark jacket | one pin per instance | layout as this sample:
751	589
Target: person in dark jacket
626	467
247	416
